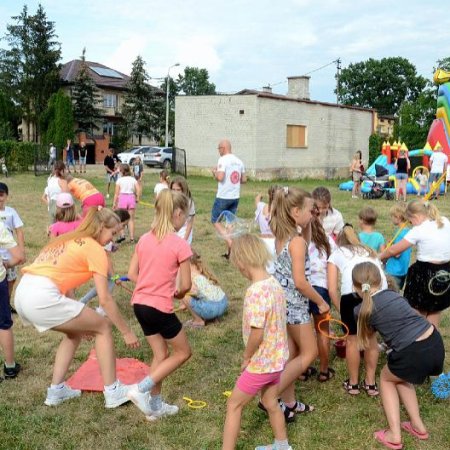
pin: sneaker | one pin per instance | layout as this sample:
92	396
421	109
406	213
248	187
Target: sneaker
270	447
165	410
56	396
118	396
11	372
140	399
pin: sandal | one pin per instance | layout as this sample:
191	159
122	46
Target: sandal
289	415
380	436
417	434
310	372
326	376
351	387
371	389
301	408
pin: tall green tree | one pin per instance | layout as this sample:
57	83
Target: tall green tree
86	99
381	84
195	81
139	109
8	118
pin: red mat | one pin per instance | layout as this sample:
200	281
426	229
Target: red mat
88	378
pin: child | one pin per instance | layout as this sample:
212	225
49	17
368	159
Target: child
331	218
422	179
14	224
126	195
206	299
262	213
292	208
417	351
66	216
319	250
368	236
350	252
265	339
397	266
160	254
138	170
163	183
179	184
85	192
356	171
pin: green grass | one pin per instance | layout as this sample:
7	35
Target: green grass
340	422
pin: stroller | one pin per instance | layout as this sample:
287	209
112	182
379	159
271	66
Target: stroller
379	184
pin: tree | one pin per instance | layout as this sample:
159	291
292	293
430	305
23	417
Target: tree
140	102
381	84
85	99
195	81
8	118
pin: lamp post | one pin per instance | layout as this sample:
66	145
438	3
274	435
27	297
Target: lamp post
167	103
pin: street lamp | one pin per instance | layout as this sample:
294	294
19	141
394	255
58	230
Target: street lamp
167	103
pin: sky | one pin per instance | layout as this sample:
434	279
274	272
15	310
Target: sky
247	44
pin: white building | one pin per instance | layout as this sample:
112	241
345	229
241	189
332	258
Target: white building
276	136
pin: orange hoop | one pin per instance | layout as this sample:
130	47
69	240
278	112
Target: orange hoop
333	336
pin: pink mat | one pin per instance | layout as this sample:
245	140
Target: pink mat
88	378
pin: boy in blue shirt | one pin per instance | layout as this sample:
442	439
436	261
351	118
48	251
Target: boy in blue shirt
368	236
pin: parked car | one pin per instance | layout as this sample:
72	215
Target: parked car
129	156
159	157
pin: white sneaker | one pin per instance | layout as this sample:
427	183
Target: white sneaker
140	399
117	397
165	410
56	396
101	311
270	447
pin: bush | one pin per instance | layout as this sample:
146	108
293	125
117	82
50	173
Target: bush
20	156
375	144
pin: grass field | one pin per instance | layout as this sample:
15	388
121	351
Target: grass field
340	422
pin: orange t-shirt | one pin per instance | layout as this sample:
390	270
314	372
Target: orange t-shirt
81	189
71	263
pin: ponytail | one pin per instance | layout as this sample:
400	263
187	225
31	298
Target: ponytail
434	214
424	208
319	237
349	239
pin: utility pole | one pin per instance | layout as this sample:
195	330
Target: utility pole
338	72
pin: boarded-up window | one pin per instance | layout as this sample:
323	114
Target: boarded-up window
296	136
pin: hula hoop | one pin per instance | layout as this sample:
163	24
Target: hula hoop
150	205
194	404
335	337
424	170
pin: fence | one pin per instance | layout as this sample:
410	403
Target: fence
41	160
179	161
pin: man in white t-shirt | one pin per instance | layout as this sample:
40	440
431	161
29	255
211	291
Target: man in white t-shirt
230	173
52	156
438	165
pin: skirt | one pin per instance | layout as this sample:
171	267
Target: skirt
425	290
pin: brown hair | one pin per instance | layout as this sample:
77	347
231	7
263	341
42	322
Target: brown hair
271	193
319	237
181	181
425	208
322	194
164	175
249	250
365	273
67	214
196	261
349	239
368	215
58	169
125	170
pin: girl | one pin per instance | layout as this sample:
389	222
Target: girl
350	252
417	351
319	250
85	192
126	196
402	166
427	279
138	170
163	183
422	179
331	218
56	184
160	254
43	298
262	213
66	216
206	301
265	338
356	171
292	208
179	184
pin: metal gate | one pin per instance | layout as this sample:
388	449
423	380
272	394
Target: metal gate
179	161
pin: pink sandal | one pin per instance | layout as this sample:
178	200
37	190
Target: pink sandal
380	436
417	434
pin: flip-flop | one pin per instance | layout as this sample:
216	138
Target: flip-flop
192	324
380	436
417	434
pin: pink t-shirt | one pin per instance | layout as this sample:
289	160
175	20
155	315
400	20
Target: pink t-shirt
59	228
158	266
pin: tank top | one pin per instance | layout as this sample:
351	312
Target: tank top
402	165
53	187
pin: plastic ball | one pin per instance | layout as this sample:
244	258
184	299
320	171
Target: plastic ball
441	386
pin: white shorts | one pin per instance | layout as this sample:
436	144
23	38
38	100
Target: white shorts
39	302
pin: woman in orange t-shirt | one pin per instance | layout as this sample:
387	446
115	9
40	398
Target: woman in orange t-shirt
85	192
43	299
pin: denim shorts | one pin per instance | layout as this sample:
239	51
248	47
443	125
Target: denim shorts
223	204
313	308
401	176
207	309
82	160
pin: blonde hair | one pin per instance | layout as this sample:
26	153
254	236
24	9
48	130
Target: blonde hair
367	274
166	204
164	175
196	261
91	226
67	214
282	223
349	239
368	215
425	208
398	210
249	250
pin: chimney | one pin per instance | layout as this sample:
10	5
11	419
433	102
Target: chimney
267	89
298	87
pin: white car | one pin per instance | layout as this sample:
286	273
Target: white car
159	157
129	156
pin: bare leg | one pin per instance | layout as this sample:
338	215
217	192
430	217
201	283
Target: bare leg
391	404
269	399
408	397
7	343
371	359
323	344
131	223
353	359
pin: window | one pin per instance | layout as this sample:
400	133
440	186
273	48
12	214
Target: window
108	128
106	72
296	136
110	101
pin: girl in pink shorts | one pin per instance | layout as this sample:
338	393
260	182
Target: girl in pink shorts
265	338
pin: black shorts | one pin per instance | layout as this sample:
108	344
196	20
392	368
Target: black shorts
153	321
348	304
5	310
419	360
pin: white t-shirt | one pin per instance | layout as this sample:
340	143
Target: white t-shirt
159	187
230	187
11	220
438	160
433	243
318	264
182	231
333	222
345	260
127	185
6	242
53	188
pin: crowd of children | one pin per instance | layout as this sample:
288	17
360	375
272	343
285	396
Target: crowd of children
305	260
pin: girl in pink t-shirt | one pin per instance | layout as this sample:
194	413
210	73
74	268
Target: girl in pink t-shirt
160	254
66	216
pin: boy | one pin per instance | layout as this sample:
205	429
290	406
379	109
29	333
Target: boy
368	236
13	223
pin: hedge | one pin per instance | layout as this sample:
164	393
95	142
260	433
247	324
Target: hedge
21	156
